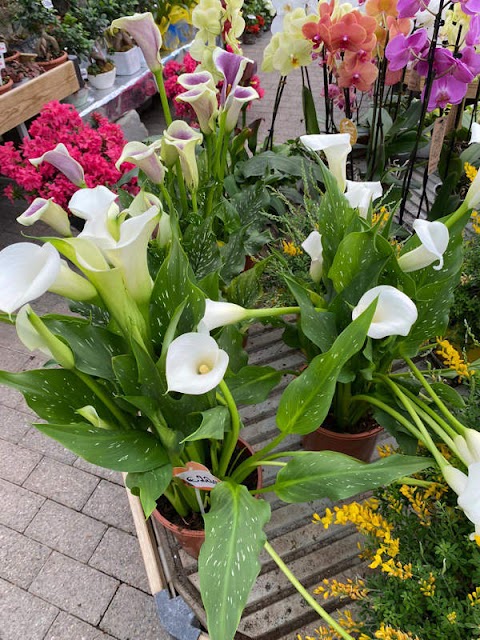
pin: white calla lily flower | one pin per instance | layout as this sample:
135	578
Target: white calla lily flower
312	246
72	285
195	364
360	195
142	202
394	315
219	314
145	158
336	147
197	80
434	237
468	446
49	212
60	158
472	199
97	207
475	133
235	102
27	271
204	102
179	141
143	28
467	489
87	203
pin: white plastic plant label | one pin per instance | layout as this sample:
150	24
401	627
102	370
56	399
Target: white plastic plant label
48	4
196	475
3	47
2	61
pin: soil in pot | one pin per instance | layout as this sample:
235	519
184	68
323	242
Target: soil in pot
51	64
360	444
189	531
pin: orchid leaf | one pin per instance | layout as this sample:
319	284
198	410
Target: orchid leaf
229	559
213	424
328	474
253	384
309	111
117	450
149	485
306	401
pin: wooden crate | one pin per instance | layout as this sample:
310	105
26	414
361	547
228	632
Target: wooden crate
24	102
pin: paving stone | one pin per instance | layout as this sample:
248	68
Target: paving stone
66	627
17	506
100	472
67	531
62	483
22	615
13	424
16	463
20	558
74	587
37	441
132	615
118	555
109	503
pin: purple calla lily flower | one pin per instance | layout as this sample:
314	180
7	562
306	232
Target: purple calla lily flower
232	67
400	49
63	161
142	27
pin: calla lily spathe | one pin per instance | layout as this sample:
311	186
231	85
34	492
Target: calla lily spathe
145	158
475	133
312	246
468	445
196	80
467	489
394	315
360	195
144	30
219	314
472	199
195	364
336	147
179	141
142	202
235	101
102	215
49	212
60	158
232	67
204	102
27	271
434	237
87	203
72	285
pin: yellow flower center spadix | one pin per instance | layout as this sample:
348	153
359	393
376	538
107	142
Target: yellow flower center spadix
204	368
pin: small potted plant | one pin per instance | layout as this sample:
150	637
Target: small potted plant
101	70
40	22
6	83
126	54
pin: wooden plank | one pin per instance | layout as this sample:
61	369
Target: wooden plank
25	101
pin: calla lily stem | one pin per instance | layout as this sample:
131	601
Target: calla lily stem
163	96
304	593
232	436
103	396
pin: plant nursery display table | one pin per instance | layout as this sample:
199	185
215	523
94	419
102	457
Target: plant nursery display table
275	611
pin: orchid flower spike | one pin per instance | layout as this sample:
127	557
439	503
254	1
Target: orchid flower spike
336	147
434	237
394	315
466	487
195	364
312	245
475	133
219	314
61	159
145	158
144	30
27	271
360	195
49	212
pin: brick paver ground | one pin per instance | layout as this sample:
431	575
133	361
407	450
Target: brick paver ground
70	566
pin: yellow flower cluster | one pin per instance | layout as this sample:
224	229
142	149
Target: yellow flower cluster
422	501
427	587
353	589
452	359
452	617
291	248
470	171
386	632
474	597
382	215
385	450
475	221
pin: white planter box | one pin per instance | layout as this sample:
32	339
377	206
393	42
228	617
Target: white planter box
127	62
102	80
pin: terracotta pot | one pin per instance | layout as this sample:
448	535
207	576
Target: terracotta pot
189	539
51	64
15	56
6	87
357	445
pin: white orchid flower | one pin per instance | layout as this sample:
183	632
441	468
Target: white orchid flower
179	141
468	446
97	207
145	158
61	159
312	245
395	313
33	333
204	102
475	133
219	314
283	7
144	30
467	489
195	364
336	147
434	237
237	98
360	195
49	212
27	271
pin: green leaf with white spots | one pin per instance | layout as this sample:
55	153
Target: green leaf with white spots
306	401
327	474
229	559
56	394
149	485
213	424
253	384
117	450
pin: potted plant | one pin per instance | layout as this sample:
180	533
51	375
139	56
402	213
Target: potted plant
126	54
6	83
40	22
19	72
101	70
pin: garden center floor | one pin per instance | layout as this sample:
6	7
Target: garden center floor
70	566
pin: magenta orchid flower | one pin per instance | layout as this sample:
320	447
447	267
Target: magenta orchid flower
445	62
232	67
400	50
471	59
61	159
470	7
446	90
408	8
144	30
473	35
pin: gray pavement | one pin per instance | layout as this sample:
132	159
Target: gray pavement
70	566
